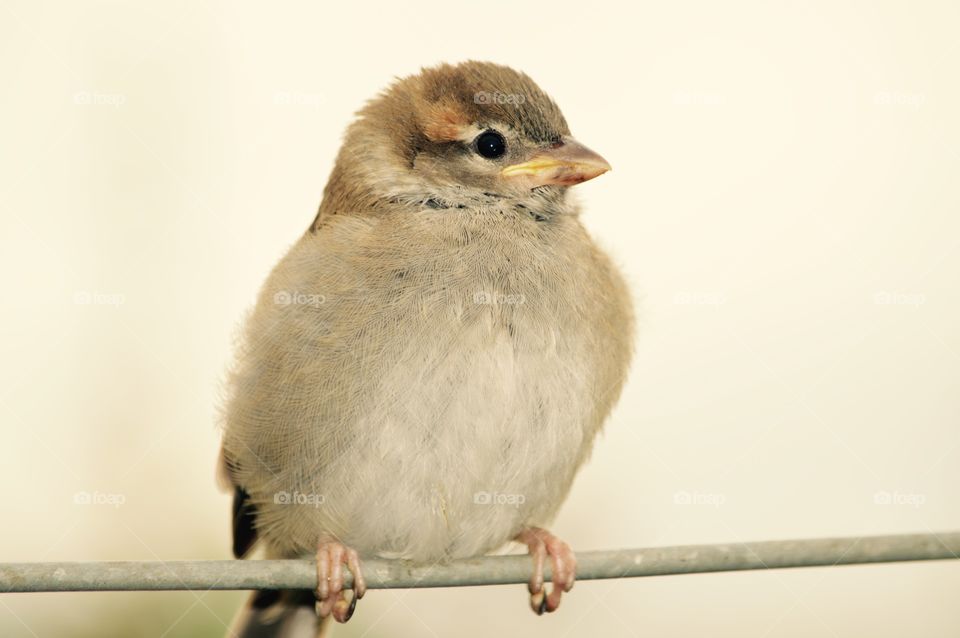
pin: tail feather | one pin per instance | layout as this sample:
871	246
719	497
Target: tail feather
279	614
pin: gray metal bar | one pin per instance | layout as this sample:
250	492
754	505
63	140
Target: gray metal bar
491	570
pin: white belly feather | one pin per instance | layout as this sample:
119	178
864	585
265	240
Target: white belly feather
424	412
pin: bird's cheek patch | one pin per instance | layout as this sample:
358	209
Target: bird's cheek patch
444	123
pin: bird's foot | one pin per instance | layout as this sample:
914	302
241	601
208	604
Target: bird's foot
331	598
563	563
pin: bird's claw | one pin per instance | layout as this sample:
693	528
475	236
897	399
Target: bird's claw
563	562
538	602
331	597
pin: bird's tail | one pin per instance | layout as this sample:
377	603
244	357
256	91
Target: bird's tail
279	614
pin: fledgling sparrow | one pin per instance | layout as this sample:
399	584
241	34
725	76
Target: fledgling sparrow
427	367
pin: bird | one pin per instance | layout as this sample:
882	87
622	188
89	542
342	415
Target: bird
428	366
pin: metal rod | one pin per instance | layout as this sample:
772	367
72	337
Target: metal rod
490	570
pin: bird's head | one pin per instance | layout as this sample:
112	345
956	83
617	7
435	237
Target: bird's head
458	136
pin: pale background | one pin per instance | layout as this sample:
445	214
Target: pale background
784	201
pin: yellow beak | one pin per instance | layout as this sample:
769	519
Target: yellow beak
567	163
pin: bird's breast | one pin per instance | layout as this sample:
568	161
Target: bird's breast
438	398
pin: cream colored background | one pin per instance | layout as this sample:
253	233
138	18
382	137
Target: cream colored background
776	167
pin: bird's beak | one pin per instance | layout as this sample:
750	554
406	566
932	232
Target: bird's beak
566	163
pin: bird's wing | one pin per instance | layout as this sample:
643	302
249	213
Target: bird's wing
244	511
244	523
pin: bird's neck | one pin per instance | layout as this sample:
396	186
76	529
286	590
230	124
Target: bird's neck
352	190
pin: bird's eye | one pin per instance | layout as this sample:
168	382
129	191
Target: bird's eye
491	144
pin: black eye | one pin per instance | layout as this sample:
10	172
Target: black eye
491	144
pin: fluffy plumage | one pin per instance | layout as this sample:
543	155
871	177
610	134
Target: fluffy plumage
441	333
